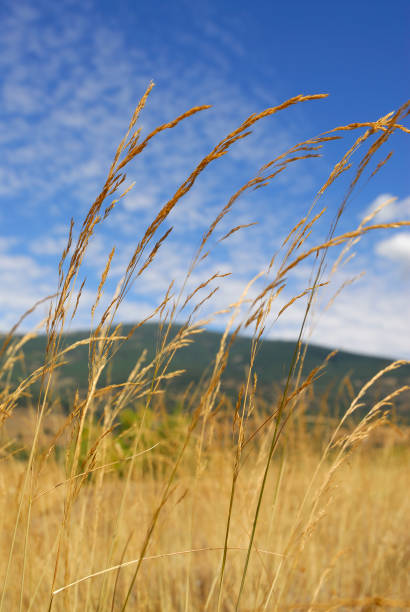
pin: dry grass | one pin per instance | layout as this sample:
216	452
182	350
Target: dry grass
220	507
358	546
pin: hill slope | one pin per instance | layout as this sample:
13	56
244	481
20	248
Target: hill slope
271	365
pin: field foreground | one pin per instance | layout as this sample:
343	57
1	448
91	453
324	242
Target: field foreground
343	544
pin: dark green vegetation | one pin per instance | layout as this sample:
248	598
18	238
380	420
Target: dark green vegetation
344	374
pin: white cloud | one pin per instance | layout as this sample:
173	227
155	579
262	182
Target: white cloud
398	210
12	265
371	318
396	248
23	281
48	245
146	199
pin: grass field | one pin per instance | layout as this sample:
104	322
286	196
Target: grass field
218	504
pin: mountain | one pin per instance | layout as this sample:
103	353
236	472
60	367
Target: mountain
271	365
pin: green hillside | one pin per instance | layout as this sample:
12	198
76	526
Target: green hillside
272	365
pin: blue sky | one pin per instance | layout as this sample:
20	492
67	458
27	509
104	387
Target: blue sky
71	74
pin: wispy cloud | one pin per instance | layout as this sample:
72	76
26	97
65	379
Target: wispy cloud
23	281
396	248
392	209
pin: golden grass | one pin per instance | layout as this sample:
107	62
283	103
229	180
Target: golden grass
221	506
354	547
